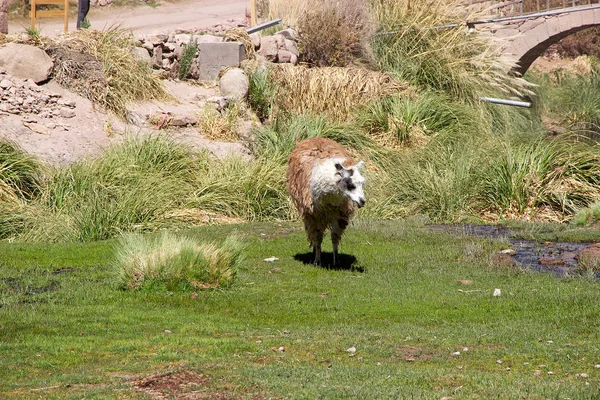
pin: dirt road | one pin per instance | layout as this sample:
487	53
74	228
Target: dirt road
144	19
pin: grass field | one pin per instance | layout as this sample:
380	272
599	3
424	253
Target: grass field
284	329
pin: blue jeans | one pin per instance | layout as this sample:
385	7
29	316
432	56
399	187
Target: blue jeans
82	9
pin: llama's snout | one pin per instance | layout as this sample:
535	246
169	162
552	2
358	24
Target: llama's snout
361	202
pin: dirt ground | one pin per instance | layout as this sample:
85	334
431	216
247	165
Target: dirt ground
143	19
92	129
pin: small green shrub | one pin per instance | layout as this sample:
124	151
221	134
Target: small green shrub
187	57
587	216
261	93
169	262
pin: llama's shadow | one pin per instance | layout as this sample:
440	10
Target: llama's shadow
346	262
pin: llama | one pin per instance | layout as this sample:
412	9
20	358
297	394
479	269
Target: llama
325	185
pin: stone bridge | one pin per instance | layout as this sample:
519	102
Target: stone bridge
529	34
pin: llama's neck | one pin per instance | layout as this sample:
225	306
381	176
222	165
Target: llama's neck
324	183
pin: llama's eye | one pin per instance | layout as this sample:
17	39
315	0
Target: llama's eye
351	186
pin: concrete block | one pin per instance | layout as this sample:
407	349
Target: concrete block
213	57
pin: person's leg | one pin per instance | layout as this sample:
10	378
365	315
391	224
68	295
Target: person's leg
83	8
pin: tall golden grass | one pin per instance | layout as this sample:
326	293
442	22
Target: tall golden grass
335	92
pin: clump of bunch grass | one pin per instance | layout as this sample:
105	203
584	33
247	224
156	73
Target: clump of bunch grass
173	263
588	216
335	92
541	179
121	80
127	189
221	125
333	33
463	64
411	120
20	173
252	190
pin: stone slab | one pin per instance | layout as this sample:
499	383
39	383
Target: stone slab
214	57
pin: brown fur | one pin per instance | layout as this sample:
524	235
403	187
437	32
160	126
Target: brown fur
300	166
318	218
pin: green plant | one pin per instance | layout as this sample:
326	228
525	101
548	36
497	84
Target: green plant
169	262
20	173
85	24
552	178
34	34
261	92
127	189
253	190
187	57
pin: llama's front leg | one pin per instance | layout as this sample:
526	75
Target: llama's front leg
337	230
315	236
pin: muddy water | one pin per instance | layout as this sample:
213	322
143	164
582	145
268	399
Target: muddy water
558	258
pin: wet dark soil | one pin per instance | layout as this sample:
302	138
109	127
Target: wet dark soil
558	258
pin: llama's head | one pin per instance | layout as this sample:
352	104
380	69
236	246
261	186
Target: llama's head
351	182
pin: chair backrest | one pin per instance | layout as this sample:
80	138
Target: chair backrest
64	12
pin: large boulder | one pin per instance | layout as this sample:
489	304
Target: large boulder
234	84
25	61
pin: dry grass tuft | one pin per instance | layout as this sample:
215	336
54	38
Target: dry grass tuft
101	66
336	92
240	35
222	125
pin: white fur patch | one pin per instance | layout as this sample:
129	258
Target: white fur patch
324	182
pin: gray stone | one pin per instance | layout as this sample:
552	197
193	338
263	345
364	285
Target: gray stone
148	46
234	84
66	112
255	37
289	34
214	57
157	57
209	39
268	48
182	38
284	56
25	61
142	56
292	47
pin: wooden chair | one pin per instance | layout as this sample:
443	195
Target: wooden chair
64	12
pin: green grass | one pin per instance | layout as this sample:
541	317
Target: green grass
67	331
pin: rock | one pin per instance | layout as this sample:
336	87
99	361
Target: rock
67	112
37	128
464	282
148	46
497	292
182	38
174	70
289	34
209	39
142	55
292	47
25	61
183	120
166	64
255	37
549	261
6	84
234	84
510	252
268	48
157	57
284	56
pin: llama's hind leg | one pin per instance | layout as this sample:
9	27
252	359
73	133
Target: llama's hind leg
337	230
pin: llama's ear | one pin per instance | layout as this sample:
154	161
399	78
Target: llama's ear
339	166
360	164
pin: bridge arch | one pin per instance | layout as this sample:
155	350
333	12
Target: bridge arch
533	36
